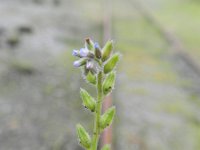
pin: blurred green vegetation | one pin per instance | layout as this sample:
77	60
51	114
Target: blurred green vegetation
182	17
146	59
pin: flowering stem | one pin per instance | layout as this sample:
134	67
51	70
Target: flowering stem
96	132
98	68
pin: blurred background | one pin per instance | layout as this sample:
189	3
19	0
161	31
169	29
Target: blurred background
157	93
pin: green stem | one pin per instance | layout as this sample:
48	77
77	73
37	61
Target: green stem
96	132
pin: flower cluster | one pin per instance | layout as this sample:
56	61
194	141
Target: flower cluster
86	56
92	56
98	69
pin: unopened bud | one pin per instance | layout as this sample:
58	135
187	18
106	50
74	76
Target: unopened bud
109	82
76	53
84	137
110	65
88	101
97	51
80	62
106	147
89	44
107	117
84	52
107	50
91	78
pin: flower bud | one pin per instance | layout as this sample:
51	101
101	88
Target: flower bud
76	53
88	101
110	65
97	51
84	52
84	137
107	50
107	117
106	147
108	83
91	78
89	44
80	62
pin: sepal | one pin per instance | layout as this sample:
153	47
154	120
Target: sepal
88	101
107	117
111	63
109	82
97	51
83	136
107	50
89	44
91	78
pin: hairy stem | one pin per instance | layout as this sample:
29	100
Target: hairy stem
96	132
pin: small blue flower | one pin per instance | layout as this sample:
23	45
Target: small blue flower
84	52
80	62
76	64
75	53
96	45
